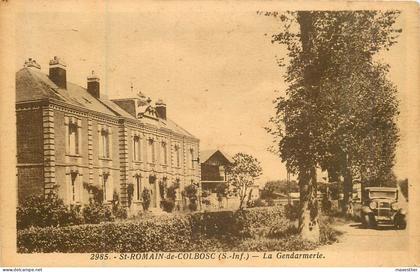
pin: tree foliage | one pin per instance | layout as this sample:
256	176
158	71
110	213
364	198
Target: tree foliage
242	174
339	109
278	186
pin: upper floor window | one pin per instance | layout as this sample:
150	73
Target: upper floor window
191	158
177	156
136	148
164	153
104	144
73	139
151	151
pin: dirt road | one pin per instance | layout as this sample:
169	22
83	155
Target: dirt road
356	237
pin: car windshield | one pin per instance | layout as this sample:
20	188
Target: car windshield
382	194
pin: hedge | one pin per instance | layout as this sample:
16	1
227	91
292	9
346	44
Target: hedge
164	233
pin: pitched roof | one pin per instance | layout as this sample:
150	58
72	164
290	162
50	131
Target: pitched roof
205	155
32	84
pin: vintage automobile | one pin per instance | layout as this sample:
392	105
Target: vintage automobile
380	207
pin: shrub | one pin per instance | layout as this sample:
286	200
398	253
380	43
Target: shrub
282	231
94	213
149	235
171	192
292	211
328	235
256	221
130	193
190	192
256	203
118	211
264	229
214	223
96	192
205	197
168	205
146	199
44	211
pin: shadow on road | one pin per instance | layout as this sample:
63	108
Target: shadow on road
381	228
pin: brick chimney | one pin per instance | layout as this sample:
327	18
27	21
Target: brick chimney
161	109
31	63
58	72
93	85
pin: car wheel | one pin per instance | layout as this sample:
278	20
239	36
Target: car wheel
401	223
366	221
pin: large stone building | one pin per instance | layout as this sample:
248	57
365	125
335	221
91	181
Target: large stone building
73	139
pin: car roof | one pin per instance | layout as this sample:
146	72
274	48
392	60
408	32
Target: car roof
387	189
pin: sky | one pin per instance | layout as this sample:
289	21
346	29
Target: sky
216	69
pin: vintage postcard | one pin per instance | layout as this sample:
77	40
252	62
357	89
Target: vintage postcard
209	133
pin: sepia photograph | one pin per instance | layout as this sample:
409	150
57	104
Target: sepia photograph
212	133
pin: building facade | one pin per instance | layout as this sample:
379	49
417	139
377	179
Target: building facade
214	164
76	141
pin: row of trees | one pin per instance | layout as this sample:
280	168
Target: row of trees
339	112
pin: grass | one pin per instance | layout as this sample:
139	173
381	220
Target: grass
272	239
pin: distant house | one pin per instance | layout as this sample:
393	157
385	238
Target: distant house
213	168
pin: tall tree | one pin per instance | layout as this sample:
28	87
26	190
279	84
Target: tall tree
322	121
297	120
242	174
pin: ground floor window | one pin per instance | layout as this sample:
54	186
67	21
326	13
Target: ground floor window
75	191
138	188
107	187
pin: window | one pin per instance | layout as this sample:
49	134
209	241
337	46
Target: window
104	144
177	156
74	189
107	188
192	158
164	153
138	188
136	148
151	151
73	139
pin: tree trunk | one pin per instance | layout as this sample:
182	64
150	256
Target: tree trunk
348	193
308	218
241	197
